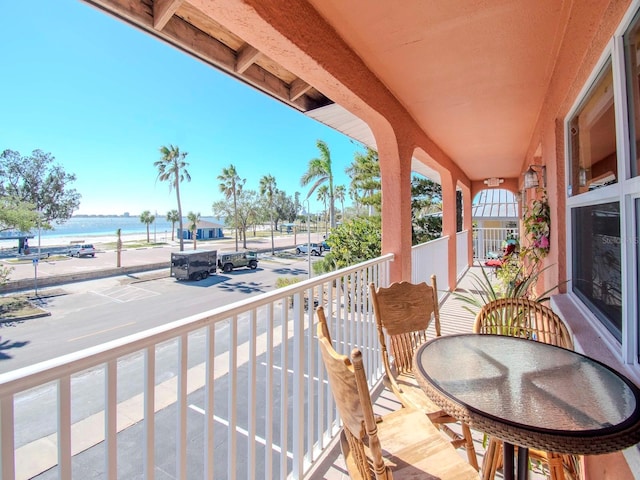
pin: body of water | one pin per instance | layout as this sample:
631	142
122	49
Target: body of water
99	226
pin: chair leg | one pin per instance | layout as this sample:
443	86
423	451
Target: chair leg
492	459
465	441
471	450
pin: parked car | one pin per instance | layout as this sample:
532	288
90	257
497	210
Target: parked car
316	249
230	260
325	247
85	250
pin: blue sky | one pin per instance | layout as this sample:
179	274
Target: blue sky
102	97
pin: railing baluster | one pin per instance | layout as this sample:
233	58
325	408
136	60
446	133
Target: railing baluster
149	411
232	396
7	441
111	419
310	425
64	427
181	447
252	403
284	389
269	400
209	440
298	387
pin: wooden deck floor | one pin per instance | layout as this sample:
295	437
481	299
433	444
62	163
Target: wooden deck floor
454	319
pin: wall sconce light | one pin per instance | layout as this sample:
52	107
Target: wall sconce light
531	179
582	177
493	182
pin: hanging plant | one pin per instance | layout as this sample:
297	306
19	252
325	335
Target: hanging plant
537	229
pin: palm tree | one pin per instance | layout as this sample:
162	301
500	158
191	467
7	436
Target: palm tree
173	216
323	194
230	185
339	194
267	189
320	170
365	176
194	219
147	218
173	169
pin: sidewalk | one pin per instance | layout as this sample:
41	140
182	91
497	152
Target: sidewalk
59	268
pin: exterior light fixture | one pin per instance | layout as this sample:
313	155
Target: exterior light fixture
493	181
582	177
531	179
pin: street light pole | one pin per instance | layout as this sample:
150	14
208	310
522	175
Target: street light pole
308	237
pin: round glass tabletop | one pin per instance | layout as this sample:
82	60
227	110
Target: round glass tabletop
525	388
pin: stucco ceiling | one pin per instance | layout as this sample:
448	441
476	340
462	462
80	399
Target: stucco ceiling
472	74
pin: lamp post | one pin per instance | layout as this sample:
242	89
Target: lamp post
308	236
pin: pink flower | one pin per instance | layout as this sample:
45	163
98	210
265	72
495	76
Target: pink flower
543	242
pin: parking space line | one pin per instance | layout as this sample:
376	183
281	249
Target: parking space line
100	332
306	375
242	431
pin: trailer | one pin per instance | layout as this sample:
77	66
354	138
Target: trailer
193	265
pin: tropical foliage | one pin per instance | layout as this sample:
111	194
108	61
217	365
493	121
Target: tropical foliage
147	218
174	217
354	241
231	185
268	189
320	171
536	221
194	219
366	185
173	169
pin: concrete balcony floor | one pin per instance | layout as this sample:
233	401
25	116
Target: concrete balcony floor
454	319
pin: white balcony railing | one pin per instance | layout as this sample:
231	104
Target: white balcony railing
234	392
489	240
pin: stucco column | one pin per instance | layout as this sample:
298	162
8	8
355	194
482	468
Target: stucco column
467	223
395	173
448	183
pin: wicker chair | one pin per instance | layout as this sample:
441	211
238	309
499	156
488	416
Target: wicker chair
520	317
413	447
403	314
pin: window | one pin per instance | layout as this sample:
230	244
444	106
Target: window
592	138
632	59
597	273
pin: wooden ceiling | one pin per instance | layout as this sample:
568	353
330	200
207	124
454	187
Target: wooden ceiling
182	25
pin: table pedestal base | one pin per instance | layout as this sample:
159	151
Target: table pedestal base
509	454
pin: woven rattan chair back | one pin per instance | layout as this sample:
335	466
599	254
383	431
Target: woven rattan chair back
524	318
351	392
404	312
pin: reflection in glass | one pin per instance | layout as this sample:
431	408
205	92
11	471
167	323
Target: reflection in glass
596	270
592	138
632	59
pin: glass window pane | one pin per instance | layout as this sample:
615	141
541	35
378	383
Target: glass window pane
632	58
596	275
592	138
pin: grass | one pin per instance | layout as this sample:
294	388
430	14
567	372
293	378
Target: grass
20	260
131	244
17	306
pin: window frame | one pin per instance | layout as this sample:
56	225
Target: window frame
625	191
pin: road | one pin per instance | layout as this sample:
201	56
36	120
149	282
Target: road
91	313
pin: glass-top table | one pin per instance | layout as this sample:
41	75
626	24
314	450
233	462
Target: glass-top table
530	394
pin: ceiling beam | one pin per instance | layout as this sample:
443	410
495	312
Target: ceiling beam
247	56
298	88
163	10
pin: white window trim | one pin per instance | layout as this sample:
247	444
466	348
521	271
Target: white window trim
625	192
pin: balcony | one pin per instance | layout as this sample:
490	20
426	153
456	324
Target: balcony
235	392
185	398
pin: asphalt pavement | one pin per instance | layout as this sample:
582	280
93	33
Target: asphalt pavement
54	261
